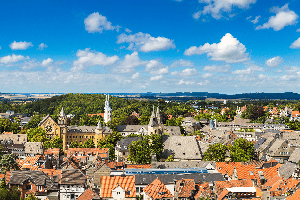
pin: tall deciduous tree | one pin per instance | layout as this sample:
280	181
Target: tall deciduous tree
7	163
215	152
37	134
241	151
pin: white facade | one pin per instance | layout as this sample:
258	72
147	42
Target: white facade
118	193
71	192
107	110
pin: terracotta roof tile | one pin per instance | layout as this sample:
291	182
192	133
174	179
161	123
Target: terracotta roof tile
138	166
109	183
89	194
294	196
223	194
157	190
185	187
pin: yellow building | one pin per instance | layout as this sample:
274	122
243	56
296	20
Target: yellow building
73	133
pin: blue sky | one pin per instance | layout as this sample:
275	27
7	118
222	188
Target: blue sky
231	46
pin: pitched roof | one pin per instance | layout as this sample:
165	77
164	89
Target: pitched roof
108	183
295	158
72	177
138	166
124	143
294	196
157	190
185	187
287	169
89	194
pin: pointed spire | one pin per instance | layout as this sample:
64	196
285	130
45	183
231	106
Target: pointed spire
153	112
99	125
62	112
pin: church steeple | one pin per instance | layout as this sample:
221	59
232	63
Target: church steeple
99	125
153	119
62	118
107	110
158	116
62	112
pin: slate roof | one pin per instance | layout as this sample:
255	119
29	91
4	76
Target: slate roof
260	141
157	190
172	130
72	177
124	143
108	183
183	147
295	158
89	194
275	146
287	169
87	129
37	177
131	128
145	179
263	146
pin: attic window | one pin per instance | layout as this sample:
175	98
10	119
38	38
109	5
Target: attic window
161	193
183	153
178	144
129	191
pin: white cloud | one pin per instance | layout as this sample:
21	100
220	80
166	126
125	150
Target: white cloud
155	67
11	59
130	62
214	68
215	8
87	58
295	44
249	70
207	75
186	72
284	17
42	46
20	45
182	82
274	62
0	48
128	30
145	42
135	76
242	71
255	21
47	62
182	63
229	50
97	23
298	30
156	78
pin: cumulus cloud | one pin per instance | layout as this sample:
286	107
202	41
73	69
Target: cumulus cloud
11	59
186	72
214	68
155	67
130	62
249	70
135	76
298	30
42	46
20	45
274	62
97	23
182	63
87	58
215	8
156	78
284	17
295	44
182	82
128	30
229	49
207	75
255	21
145	42
47	62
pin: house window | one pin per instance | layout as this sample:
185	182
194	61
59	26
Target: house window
28	187
118	193
40	188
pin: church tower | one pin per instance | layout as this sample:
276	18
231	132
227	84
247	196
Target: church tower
107	110
155	125
62	123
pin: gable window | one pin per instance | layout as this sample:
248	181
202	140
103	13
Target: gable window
118	193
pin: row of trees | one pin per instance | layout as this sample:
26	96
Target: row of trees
241	151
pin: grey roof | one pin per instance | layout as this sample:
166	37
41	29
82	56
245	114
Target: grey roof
295	156
34	148
13	138
287	170
25	120
183	147
291	135
87	129
260	141
72	177
123	144
182	164
44	119
172	130
145	179
275	146
131	128
190	119
266	143
18	177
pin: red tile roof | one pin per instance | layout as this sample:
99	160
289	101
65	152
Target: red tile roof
294	196
89	194
109	183
157	190
138	166
185	187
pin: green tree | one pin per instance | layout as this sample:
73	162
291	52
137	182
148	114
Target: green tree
170	158
75	144
31	197
34	122
215	152
3	184
37	134
156	145
140	151
56	142
8	126
241	151
7	163
89	144
111	150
